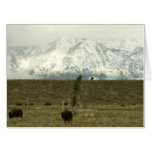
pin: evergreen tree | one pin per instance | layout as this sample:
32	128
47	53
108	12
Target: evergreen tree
76	89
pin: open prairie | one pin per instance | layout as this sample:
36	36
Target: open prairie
104	103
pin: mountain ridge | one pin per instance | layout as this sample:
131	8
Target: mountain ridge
65	58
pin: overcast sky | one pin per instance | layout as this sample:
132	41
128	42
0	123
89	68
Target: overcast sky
33	34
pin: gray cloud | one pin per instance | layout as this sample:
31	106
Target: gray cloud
33	34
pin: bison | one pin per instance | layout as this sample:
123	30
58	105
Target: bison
48	104
122	105
16	113
67	115
65	103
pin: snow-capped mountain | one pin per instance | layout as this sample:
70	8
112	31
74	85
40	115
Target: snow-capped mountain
65	58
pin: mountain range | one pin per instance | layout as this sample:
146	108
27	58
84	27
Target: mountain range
65	58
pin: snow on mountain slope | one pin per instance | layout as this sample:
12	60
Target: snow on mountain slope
105	59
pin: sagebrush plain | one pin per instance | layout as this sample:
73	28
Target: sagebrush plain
103	103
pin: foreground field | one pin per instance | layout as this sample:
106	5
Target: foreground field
104	103
88	116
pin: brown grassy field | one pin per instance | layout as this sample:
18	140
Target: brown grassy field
104	103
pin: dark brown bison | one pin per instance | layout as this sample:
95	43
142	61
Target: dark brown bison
66	115
48	104
122	105
19	104
16	113
65	103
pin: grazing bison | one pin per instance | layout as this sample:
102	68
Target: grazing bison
65	103
67	115
16	113
48	104
19	104
122	105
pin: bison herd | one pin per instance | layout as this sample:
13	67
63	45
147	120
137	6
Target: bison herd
16	112
66	115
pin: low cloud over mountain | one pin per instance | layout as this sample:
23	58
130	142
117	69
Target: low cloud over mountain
65	58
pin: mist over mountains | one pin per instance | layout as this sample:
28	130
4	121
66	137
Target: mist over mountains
65	58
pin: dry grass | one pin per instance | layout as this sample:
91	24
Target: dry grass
93	92
90	116
102	103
